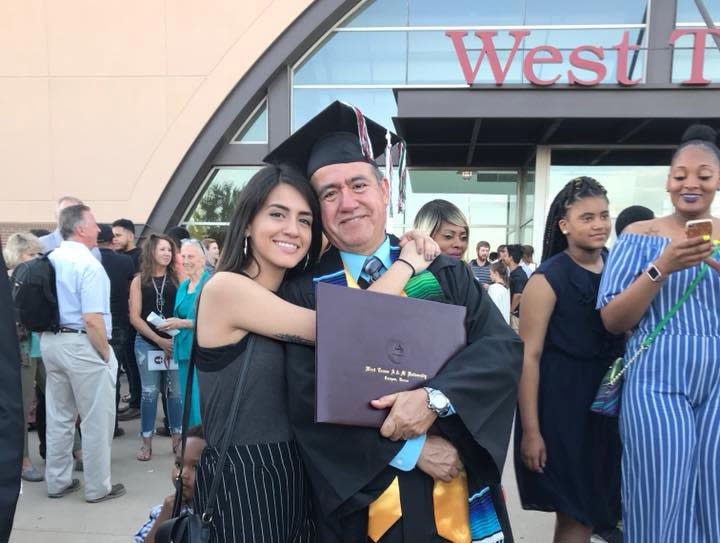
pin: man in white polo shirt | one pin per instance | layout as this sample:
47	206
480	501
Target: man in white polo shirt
81	367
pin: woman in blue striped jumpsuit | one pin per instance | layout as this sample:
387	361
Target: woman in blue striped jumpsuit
670	410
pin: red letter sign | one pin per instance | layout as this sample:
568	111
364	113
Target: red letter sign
623	48
586	64
698	58
554	58
488	47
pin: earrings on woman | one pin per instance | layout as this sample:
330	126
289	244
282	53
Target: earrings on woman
307	260
245	246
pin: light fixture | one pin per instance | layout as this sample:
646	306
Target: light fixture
466	175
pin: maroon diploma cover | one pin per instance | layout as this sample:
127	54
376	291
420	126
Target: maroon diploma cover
370	345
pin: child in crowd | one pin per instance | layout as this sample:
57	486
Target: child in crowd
498	289
162	512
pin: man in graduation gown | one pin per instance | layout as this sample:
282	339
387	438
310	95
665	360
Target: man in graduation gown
432	472
11	413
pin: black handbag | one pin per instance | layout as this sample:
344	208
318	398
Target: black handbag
194	527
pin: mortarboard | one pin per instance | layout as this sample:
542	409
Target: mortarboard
338	134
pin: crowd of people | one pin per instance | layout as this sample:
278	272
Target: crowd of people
175	311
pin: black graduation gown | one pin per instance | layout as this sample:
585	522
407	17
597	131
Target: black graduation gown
348	466
11	413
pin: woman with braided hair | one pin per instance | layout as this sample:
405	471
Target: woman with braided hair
567	459
670	406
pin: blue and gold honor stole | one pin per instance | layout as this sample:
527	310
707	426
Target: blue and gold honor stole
450	500
423	286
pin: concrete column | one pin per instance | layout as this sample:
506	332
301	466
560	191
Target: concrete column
542	196
661	23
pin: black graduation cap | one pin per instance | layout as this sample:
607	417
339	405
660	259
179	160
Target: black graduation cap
338	134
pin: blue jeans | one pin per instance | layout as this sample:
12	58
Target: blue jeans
151	383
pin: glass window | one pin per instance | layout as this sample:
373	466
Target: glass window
682	64
378	104
255	129
211	211
466	12
687	11
356	58
432	59
573	12
380	13
487	199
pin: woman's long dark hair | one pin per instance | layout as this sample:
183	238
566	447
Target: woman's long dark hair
147	259
554	241
234	257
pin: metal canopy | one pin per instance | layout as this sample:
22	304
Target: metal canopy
501	127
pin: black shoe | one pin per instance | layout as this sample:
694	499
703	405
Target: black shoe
119	432
67	490
162	431
131	414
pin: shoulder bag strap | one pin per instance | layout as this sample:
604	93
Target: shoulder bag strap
239	392
177	504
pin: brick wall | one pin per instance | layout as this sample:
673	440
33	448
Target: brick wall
7	228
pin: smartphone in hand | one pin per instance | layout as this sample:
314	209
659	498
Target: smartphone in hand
699	228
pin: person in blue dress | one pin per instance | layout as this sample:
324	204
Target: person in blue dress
670	405
567	459
183	320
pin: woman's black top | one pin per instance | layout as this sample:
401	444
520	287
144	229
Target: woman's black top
263	413
151	302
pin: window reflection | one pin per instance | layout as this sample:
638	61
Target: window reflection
215	203
356	58
687	11
255	129
378	104
491	12
682	64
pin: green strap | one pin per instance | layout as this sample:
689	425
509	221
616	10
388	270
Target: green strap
703	270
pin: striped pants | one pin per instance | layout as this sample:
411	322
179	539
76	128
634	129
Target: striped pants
670	427
264	495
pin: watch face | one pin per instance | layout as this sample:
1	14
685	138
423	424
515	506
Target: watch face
439	402
653	273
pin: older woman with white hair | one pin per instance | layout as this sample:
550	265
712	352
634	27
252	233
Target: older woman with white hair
20	248
193	257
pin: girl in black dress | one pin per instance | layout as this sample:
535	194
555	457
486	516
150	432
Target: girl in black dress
567	459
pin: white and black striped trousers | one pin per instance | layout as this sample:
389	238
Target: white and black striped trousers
264	495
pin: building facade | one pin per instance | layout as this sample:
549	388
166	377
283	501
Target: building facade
500	103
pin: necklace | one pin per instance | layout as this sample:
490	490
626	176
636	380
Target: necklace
159	300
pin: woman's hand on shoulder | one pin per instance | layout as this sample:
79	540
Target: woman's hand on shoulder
424	244
416	256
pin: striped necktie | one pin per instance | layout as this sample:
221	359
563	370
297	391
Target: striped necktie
373	268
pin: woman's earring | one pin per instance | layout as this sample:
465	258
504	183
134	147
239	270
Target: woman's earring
245	246
565	232
307	260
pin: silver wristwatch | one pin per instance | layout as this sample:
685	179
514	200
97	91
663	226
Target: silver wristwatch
438	403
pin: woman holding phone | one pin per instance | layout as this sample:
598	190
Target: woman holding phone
670	408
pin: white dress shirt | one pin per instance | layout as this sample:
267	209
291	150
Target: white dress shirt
82	285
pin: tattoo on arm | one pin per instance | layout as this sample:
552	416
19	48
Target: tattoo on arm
289	338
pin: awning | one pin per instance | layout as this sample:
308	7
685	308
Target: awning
501	127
